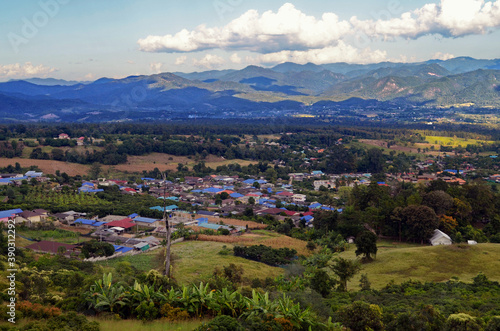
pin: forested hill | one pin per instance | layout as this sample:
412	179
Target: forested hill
255	91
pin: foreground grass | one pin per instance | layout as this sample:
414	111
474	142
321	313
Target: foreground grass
429	264
134	325
196	259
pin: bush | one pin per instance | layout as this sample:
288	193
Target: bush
266	254
462	322
173	314
221	323
361	316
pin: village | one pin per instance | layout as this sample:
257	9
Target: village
216	202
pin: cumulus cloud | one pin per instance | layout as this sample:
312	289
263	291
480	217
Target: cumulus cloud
339	53
235	58
450	18
180	60
442	56
289	29
27	70
209	61
156	67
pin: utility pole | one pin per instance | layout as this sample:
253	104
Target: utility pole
167	229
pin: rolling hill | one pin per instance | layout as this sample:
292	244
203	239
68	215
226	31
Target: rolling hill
255	91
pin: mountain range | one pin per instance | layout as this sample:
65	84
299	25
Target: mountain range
254	91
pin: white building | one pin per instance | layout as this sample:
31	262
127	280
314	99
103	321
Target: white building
440	238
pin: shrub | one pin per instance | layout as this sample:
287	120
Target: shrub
221	323
361	316
462	322
173	314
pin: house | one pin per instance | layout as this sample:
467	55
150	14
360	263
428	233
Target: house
207	213
5	215
125	224
299	198
142	246
149	222
32	216
90	224
63	136
33	174
440	238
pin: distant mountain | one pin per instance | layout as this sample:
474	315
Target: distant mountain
53	81
294	67
256	91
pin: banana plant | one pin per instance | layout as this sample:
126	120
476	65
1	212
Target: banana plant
106	295
259	304
230	302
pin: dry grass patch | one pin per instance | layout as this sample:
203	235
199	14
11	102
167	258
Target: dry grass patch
48	166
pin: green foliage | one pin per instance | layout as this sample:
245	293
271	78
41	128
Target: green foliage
95	248
266	254
345	270
462	322
361	316
221	323
366	244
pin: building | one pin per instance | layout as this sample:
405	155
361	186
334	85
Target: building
440	238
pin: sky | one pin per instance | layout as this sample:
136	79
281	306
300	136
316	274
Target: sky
87	40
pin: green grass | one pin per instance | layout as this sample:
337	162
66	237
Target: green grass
195	259
61	236
428	263
142	262
134	325
453	141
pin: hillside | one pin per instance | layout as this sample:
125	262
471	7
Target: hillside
428	264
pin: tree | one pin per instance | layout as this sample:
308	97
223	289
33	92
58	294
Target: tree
366	244
251	201
344	269
361	316
321	282
95	170
419	222
94	248
439	201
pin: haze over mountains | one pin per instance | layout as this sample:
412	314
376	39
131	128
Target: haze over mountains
254	91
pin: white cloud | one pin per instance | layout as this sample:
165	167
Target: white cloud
209	61
235	58
27	70
156	67
450	18
180	60
442	56
130	62
340	53
89	77
289	29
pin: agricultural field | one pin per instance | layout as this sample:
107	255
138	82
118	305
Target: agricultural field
169	162
69	201
62	236
400	263
454	141
48	166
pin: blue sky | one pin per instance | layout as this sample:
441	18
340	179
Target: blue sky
85	40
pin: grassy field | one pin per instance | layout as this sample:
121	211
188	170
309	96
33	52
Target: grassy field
62	236
133	325
128	325
195	259
453	141
428	263
143	262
